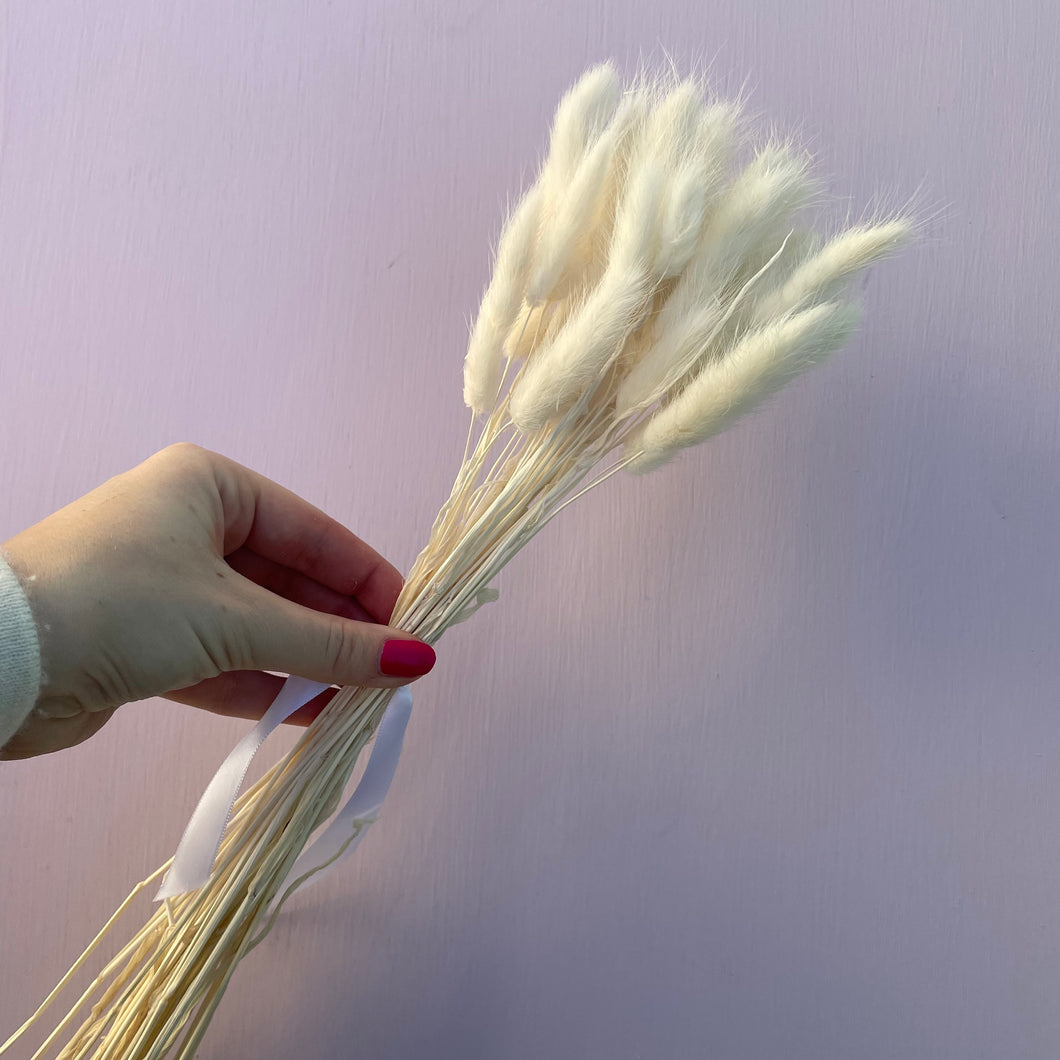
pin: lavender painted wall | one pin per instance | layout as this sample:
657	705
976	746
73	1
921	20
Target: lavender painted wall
756	758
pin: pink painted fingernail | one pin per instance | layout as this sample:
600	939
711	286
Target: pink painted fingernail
406	658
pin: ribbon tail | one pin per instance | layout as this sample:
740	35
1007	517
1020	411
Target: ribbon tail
198	847
346	830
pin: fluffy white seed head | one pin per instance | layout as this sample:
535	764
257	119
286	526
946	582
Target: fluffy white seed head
589	341
747	221
824	274
670	180
682	220
747	216
483	361
757	208
717	134
674	351
582	114
697	166
577	211
501	303
673	125
582	117
757	366
635	239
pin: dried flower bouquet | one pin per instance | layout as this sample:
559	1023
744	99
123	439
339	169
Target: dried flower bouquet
655	282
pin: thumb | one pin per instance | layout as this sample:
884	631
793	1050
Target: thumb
280	635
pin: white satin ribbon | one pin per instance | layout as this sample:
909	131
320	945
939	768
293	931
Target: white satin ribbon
346	830
197	851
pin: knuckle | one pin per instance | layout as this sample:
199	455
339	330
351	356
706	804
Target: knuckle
344	651
179	462
222	646
185	459
233	651
182	452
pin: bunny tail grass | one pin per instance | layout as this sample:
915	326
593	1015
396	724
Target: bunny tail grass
658	280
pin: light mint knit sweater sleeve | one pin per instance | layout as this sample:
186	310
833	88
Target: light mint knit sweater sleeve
19	655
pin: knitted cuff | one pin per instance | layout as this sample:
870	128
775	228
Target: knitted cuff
20	672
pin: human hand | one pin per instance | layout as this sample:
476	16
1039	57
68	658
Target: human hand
188	577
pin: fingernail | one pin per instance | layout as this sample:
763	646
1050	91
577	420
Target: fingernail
406	658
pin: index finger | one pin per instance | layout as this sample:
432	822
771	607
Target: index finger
275	523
